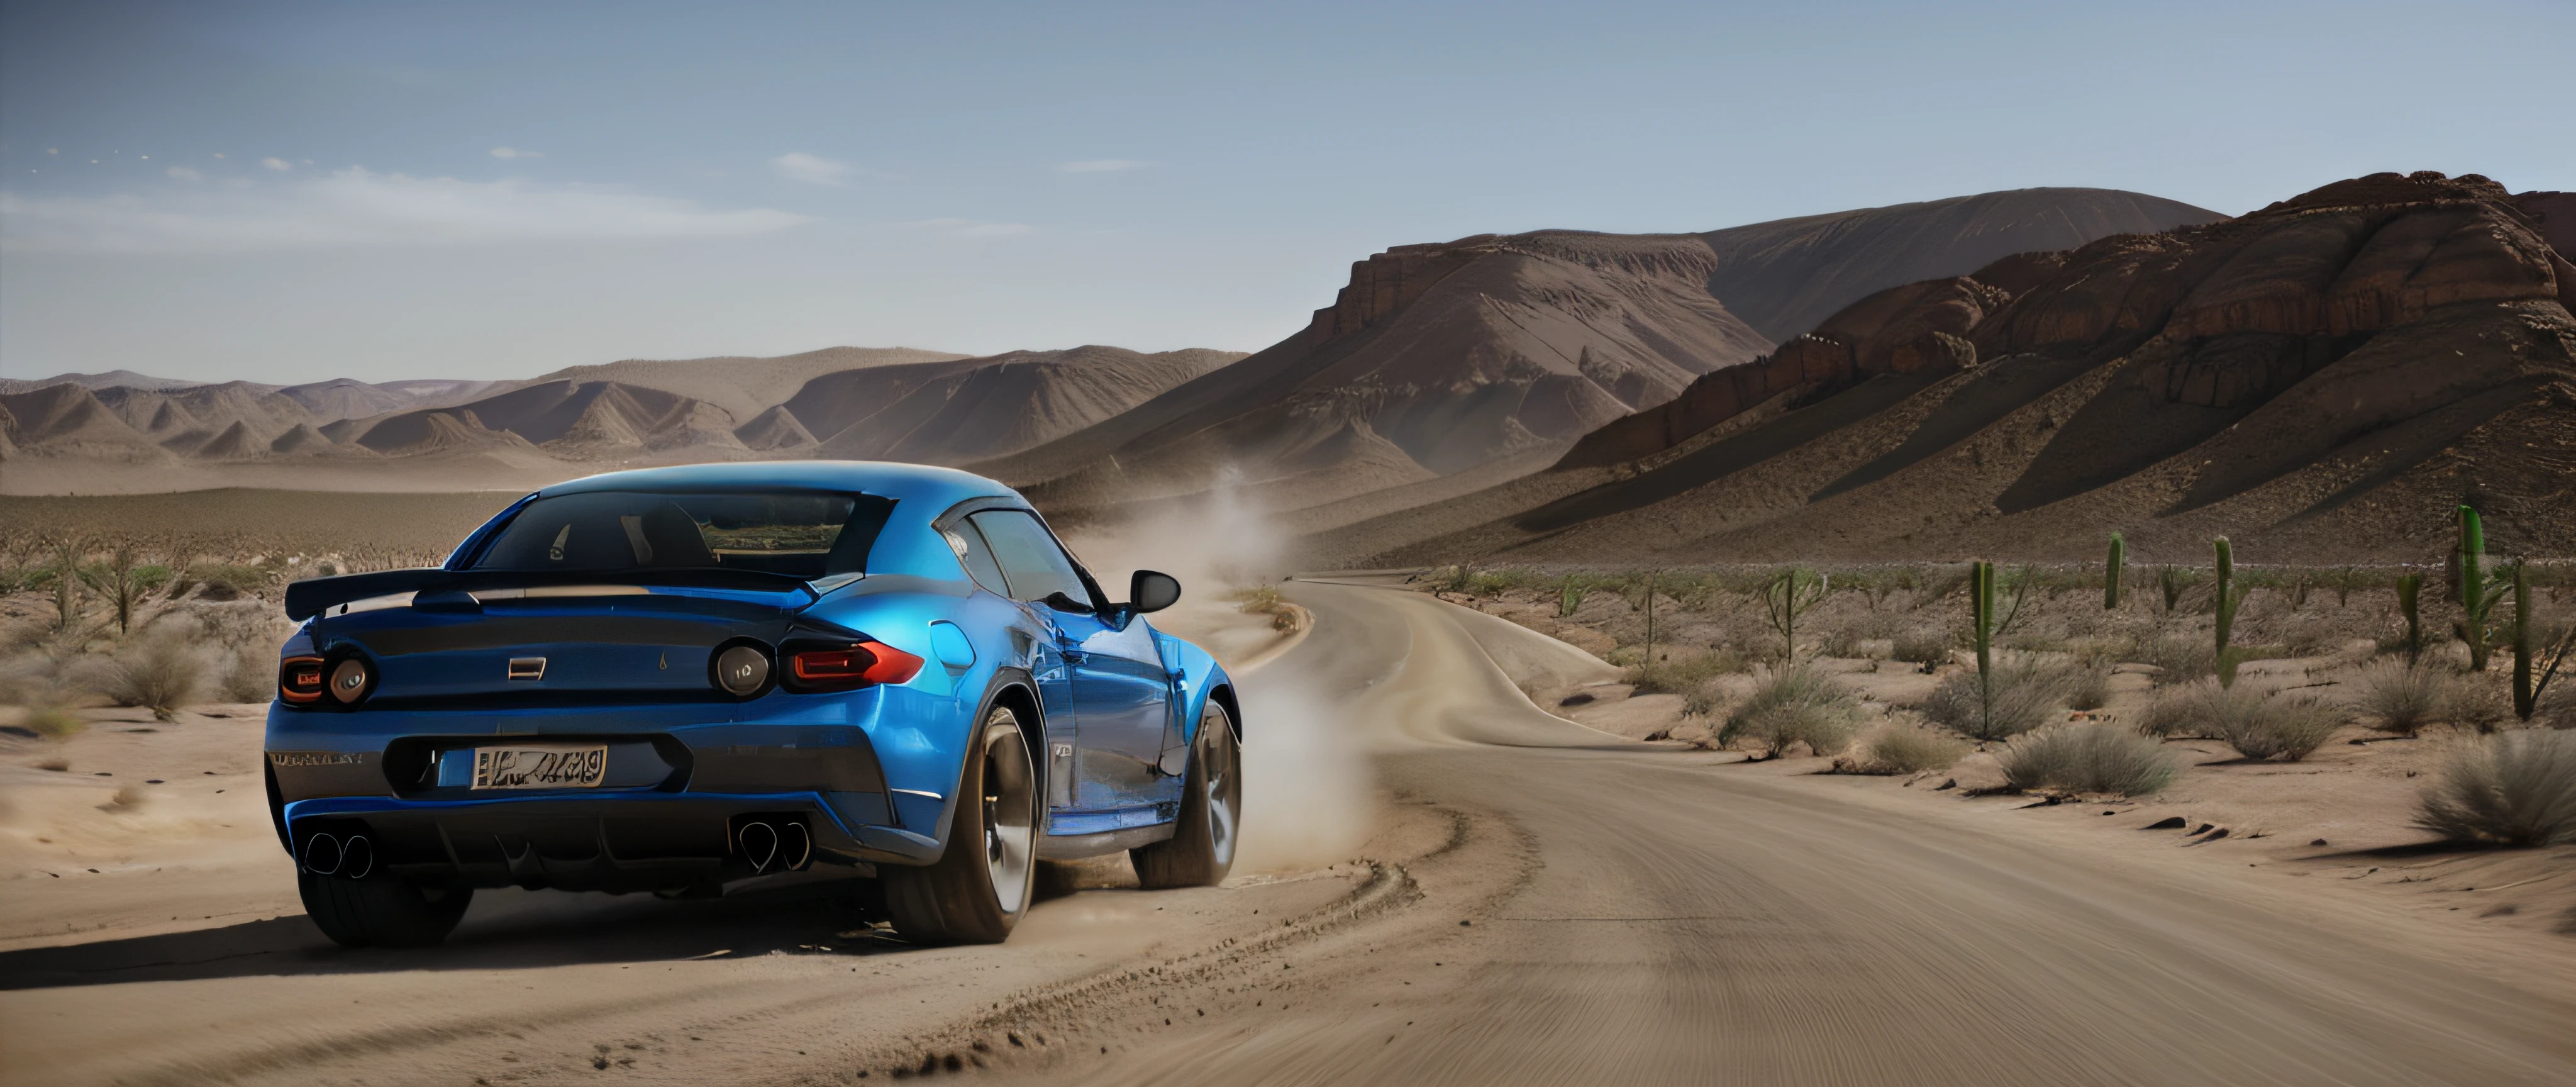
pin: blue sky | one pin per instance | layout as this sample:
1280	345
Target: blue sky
287	192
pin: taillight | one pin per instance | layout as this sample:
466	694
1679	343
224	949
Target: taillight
849	666
299	679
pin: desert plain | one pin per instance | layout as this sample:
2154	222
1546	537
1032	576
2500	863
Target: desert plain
2049	636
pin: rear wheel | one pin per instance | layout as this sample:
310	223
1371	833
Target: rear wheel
979	887
1201	849
382	910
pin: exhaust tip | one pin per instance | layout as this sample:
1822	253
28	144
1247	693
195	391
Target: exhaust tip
795	847
357	857
759	843
322	854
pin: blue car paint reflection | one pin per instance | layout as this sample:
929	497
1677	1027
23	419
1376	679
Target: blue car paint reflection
874	769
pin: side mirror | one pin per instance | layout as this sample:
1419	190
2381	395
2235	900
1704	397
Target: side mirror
1152	590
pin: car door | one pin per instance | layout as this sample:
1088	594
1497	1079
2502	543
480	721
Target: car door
1047	665
1122	696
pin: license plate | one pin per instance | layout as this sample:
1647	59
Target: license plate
539	767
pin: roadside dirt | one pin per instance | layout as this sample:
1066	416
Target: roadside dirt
1514	898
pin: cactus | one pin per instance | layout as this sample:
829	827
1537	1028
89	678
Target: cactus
2114	571
1569	596
2409	588
2226	601
2174	580
1791	592
2479	593
1650	620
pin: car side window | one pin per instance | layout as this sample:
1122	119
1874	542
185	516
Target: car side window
1031	562
976	557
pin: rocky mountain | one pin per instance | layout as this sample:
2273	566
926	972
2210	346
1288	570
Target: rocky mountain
2329	375
1436	360
897	403
975	409
1784	277
742	385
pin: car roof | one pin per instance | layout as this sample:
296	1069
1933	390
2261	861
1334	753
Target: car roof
917	484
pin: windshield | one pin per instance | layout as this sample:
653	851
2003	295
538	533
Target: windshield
804	535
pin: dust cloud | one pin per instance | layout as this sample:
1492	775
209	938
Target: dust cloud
1308	793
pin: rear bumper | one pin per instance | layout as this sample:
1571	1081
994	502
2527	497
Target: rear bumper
674	787
629	842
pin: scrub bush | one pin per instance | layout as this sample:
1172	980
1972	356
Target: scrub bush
250	675
2087	758
1922	647
1797	703
1902	748
2258	726
2402	698
2086	688
2512	788
2024	695
161	671
1685	675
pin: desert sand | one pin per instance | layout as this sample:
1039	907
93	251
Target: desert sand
1522	898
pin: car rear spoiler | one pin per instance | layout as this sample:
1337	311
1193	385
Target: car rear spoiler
308	598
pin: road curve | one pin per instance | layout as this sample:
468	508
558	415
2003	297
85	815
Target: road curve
1634	915
1534	903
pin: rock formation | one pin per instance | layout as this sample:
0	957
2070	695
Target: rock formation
2336	370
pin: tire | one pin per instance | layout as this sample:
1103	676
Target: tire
1201	849
979	888
382	910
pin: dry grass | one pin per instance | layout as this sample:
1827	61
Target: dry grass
1900	747
2512	788
2179	660
2087	688
1686	675
2088	758
250	675
161	671
1798	703
2258	726
1922	647
2023	696
53	722
2402	698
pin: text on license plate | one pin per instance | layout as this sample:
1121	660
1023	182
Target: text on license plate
539	767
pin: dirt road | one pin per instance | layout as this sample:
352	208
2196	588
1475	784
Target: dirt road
1538	903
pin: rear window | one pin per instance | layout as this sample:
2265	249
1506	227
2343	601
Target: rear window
801	534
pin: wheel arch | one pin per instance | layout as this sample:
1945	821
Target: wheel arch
1223	695
1015	691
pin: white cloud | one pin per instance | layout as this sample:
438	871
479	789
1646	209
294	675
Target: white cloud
184	174
972	228
1099	166
810	169
357	207
514	153
275	164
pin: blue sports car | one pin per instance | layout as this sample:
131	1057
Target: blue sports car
675	678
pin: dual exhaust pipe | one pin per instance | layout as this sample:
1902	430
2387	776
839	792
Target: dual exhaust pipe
350	857
784	846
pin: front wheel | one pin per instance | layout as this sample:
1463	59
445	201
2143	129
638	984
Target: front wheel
979	888
382	910
1201	849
